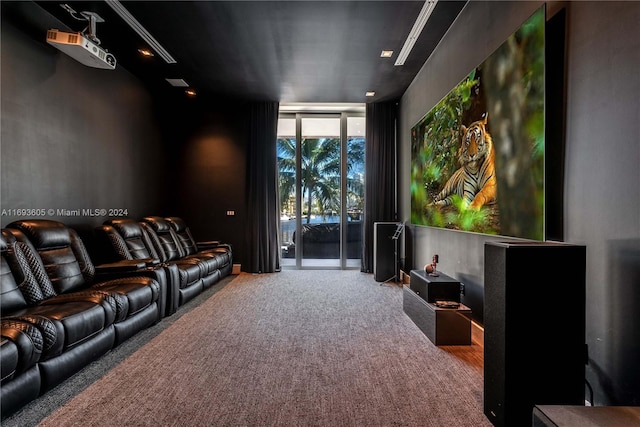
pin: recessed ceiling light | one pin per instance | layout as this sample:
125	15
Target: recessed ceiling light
190	92
370	93
145	52
386	54
177	82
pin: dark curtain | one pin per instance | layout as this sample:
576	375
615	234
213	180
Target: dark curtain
380	203
263	209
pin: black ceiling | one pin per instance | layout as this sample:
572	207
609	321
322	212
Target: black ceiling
291	51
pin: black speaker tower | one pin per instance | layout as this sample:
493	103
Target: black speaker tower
534	328
383	251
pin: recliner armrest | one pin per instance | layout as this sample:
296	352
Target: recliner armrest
124	266
146	267
208	245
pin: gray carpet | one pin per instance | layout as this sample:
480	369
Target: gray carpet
296	348
32	413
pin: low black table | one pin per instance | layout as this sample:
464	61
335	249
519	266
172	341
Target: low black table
443	326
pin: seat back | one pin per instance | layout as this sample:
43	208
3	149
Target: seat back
164	239
24	279
64	256
127	239
183	234
11	299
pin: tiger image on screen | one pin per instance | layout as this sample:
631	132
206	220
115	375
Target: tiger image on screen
475	180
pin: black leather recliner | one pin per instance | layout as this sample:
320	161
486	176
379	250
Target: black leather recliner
167	244
73	332
70	269
125	239
48	284
21	343
220	252
164	236
168	241
20	350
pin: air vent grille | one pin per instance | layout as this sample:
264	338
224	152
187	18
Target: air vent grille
52	35
177	82
73	39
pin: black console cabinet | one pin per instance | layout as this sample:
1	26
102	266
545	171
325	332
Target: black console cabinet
534	328
443	326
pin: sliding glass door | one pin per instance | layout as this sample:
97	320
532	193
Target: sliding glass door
321	165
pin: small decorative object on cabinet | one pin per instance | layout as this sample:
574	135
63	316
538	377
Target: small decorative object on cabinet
431	268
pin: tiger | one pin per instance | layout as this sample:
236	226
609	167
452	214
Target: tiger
475	180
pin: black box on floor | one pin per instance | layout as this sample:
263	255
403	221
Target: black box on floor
435	288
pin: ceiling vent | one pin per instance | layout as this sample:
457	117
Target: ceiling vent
177	82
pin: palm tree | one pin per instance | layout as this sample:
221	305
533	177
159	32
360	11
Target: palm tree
355	174
287	169
320	172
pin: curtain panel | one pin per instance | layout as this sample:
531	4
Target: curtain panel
263	209
381	173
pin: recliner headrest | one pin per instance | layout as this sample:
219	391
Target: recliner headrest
159	224
127	227
44	233
177	223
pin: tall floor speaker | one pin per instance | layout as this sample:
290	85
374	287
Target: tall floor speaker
534	328
383	250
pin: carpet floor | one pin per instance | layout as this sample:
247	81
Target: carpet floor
295	348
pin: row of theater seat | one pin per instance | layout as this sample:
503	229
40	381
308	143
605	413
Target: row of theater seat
190	266
60	311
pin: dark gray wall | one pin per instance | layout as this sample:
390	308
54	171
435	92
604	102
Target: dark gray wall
601	174
602	186
208	149
74	137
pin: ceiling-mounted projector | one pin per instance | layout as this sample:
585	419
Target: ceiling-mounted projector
80	48
84	47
